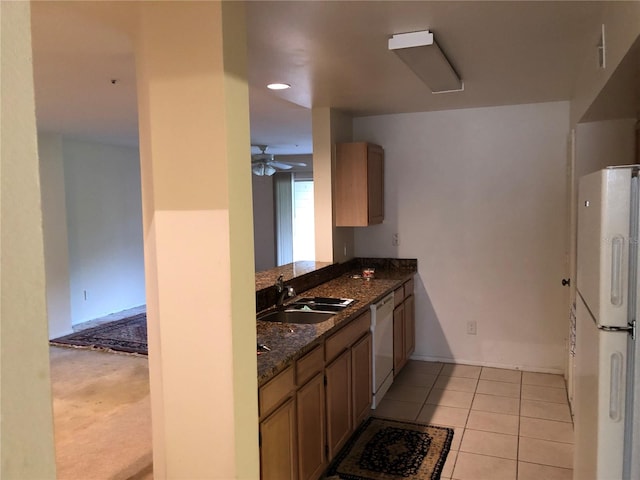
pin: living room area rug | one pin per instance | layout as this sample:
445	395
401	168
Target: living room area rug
126	335
384	449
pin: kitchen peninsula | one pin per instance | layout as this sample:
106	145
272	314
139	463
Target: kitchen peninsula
315	381
289	341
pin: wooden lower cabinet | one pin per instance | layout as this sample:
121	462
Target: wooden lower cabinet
311	426
278	449
339	402
404	326
361	377
409	326
309	412
399	351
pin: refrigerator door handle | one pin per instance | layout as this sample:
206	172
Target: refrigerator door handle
617	245
615	386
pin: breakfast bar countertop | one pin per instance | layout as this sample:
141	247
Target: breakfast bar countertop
288	341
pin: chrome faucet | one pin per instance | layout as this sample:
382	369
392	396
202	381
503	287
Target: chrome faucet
284	291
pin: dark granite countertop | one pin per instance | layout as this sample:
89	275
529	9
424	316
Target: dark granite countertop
290	341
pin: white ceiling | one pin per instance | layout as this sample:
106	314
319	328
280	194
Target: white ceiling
333	53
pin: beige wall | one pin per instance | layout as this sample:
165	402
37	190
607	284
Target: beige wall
478	197
26	426
604	143
622	27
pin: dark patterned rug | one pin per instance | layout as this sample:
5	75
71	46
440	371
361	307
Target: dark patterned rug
128	335
391	450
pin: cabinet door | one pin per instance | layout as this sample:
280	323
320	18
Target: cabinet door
359	184
278	452
339	402
375	183
311	420
409	326
399	355
361	376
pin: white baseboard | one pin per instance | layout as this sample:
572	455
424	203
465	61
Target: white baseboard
524	368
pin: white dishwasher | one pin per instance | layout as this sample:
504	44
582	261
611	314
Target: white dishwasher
382	352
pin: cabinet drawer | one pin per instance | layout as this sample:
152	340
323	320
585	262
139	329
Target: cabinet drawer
398	296
340	341
275	391
309	365
408	288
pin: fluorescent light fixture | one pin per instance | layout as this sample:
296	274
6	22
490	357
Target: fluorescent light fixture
278	86
422	54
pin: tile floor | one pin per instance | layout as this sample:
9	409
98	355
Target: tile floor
508	424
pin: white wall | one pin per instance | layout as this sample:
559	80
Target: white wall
263	223
104	214
478	197
54	226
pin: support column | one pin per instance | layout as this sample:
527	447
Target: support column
329	127
26	419
197	212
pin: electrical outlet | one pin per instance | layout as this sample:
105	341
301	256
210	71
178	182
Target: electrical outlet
395	240
472	327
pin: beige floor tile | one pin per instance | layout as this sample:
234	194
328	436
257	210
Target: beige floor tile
407	393
493	422
546	410
447	469
470	466
450	398
503	389
395	409
495	404
418	379
455	370
458	433
544	452
501	375
444	416
419	366
460	384
546	429
489	443
543	379
532	471
544	394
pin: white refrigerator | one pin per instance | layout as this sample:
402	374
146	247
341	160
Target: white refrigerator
606	417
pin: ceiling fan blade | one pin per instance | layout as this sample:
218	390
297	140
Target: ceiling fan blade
282	166
295	164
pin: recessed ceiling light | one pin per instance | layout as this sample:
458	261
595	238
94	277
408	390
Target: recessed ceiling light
278	86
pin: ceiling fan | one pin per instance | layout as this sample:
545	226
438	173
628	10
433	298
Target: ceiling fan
264	163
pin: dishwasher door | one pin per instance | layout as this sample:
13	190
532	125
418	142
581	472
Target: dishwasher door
382	353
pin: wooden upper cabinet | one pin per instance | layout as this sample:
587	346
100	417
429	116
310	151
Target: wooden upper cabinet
359	184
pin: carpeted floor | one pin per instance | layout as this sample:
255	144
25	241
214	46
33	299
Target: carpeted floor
102	415
127	335
387	449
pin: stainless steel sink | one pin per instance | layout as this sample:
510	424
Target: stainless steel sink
320	304
296	316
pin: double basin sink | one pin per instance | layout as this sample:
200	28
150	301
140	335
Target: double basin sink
308	310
